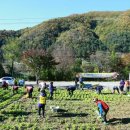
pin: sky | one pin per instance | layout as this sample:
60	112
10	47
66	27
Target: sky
19	14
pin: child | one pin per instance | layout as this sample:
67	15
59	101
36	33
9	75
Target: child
42	103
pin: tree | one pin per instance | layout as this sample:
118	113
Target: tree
11	52
64	56
2	72
38	60
83	41
115	62
100	61
87	66
126	59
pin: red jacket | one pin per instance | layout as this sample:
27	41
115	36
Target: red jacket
104	105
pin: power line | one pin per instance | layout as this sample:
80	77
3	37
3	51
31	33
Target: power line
20	23
2	19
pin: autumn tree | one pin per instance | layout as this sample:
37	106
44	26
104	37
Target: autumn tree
64	55
100	61
38	60
126	59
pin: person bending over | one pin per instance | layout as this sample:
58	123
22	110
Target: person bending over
15	89
71	89
5	85
103	109
29	90
115	88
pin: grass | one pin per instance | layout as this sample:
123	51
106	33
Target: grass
21	114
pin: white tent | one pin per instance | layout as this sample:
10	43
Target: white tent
99	75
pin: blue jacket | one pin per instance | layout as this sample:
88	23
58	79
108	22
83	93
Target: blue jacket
51	88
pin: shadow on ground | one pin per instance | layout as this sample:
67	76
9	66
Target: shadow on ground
16	113
70	115
115	121
2	118
74	99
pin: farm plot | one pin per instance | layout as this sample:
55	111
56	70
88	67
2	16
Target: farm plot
18	113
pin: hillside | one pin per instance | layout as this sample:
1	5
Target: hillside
83	33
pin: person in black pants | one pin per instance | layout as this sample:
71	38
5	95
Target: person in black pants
115	88
5	85
51	90
42	103
99	89
71	89
76	81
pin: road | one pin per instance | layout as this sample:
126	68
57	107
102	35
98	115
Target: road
107	85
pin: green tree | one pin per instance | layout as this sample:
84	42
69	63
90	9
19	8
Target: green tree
11	52
2	72
82	40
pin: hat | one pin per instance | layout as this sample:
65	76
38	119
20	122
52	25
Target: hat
95	99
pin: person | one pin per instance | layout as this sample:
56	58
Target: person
42	102
15	82
42	85
115	88
15	89
76	80
81	84
103	109
122	83
51	90
99	89
71	89
5	85
127	85
29	90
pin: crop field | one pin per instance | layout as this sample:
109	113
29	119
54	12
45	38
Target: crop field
20	113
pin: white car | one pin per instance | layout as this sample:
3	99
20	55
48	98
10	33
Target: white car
8	80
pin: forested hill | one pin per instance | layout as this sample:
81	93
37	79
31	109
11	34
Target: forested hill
84	34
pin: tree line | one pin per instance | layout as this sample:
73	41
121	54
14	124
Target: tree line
59	48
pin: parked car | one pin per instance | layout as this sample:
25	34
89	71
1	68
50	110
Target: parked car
21	82
87	86
8	80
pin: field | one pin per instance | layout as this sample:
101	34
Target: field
20	113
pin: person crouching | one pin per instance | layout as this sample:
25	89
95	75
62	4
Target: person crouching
5	85
71	89
15	89
103	109
29	90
